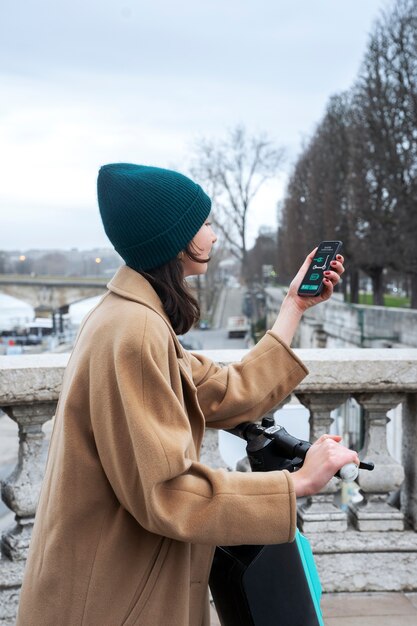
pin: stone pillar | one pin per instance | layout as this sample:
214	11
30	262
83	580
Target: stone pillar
209	453
374	513
409	457
319	337
319	513
20	491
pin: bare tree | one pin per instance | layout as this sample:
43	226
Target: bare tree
296	224
233	170
400	64
263	253
315	204
384	155
358	174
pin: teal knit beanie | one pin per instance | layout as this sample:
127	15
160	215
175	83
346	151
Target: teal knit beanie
149	214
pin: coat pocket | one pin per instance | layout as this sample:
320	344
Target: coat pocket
148	583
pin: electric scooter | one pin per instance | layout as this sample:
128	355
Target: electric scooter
270	585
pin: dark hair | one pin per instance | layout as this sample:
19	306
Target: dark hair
169	283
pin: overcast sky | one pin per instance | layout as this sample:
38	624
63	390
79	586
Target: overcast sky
87	82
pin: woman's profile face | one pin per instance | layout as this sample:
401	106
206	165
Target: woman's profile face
201	246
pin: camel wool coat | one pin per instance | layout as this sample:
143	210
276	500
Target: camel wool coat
128	517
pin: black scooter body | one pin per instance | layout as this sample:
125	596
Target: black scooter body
266	585
262	586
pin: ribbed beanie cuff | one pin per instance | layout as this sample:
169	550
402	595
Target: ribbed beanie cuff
149	214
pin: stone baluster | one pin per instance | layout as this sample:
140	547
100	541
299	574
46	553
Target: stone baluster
409	438
319	513
210	452
319	337
20	491
374	513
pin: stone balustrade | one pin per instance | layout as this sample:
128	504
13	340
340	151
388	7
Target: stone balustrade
370	546
341	324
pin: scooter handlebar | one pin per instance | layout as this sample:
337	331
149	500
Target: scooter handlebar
289	447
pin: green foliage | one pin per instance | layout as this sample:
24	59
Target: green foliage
389	300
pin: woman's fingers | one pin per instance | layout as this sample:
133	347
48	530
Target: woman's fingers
330	279
326	436
325	457
307	261
345	455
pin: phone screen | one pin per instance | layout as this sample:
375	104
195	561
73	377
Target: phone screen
312	283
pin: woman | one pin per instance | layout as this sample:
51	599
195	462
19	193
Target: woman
128	517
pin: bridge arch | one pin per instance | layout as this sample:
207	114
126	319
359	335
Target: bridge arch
47	295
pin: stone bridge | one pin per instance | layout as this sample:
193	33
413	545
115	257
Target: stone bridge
47	294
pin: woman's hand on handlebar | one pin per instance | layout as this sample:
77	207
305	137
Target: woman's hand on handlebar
325	457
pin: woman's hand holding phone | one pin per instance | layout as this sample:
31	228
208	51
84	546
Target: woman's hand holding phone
318	275
295	304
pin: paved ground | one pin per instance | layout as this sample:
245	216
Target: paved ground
364	609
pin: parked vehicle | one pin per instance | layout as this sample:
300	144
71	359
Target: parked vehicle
237	326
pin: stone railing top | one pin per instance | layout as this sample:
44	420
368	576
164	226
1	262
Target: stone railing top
355	370
29	378
349	370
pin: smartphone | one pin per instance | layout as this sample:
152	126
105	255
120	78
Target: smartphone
312	283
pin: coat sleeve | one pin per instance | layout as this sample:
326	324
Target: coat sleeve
247	390
145	444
